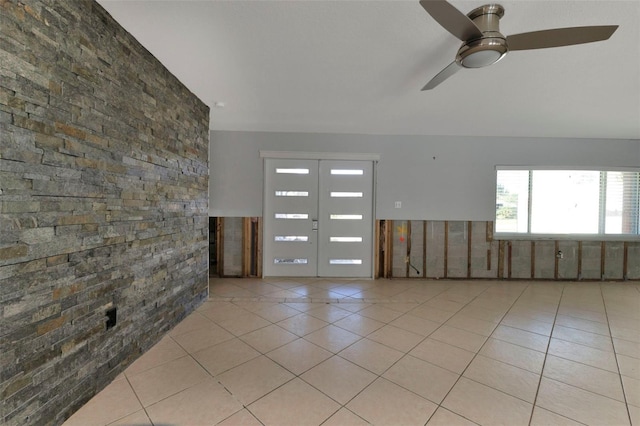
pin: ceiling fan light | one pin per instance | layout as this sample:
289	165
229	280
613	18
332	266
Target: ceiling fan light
482	52
481	59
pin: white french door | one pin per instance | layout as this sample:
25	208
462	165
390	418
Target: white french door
318	218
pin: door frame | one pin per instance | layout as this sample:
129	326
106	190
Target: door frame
304	155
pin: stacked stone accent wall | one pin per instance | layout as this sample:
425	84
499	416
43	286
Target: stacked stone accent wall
103	204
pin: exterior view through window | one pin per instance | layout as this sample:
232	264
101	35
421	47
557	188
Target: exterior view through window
567	202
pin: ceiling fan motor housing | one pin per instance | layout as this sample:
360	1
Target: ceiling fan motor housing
492	46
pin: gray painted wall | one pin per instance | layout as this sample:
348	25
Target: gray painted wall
435	177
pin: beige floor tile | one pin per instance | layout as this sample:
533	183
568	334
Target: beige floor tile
583	314
421	326
444	417
396	338
241	418
456	337
473	325
534	314
164	351
443	355
584	377
527	324
625	322
626	334
231	291
205	403
485	405
353	307
295	403
358	324
586	338
629	366
285	295
345	417
268	338
441	302
264	289
584	354
515	355
425	379
224	356
580	405
402	307
632	390
542	417
626	347
371	355
346	290
582	324
304	290
244	324
385	403
301	307
193	322
329	313
202	338
339	378
254	379
332	338
139	418
432	314
511	380
302	324
537	342
221	311
277	312
299	355
167	379
491	315
380	313
116	401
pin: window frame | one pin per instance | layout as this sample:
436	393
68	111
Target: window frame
599	236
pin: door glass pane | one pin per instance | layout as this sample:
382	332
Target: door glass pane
292	171
345	261
288	238
346	216
290	261
345	239
348	172
292	193
292	216
346	194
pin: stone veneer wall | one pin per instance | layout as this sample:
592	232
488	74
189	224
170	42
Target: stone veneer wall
103	203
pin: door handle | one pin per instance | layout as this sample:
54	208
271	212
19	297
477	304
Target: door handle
314	224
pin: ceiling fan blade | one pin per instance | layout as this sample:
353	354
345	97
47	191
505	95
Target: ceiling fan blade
449	70
559	37
454	21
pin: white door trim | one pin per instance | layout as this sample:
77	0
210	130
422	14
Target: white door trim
301	155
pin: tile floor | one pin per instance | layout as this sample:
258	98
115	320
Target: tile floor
389	352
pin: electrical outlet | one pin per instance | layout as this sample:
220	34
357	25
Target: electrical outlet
398	204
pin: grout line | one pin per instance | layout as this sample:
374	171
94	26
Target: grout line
624	392
478	351
546	353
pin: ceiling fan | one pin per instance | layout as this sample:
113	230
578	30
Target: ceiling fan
483	44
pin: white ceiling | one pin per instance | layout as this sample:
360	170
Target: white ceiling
358	67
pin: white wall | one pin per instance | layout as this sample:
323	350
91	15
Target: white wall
435	177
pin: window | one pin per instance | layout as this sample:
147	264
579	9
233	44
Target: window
567	202
347	172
